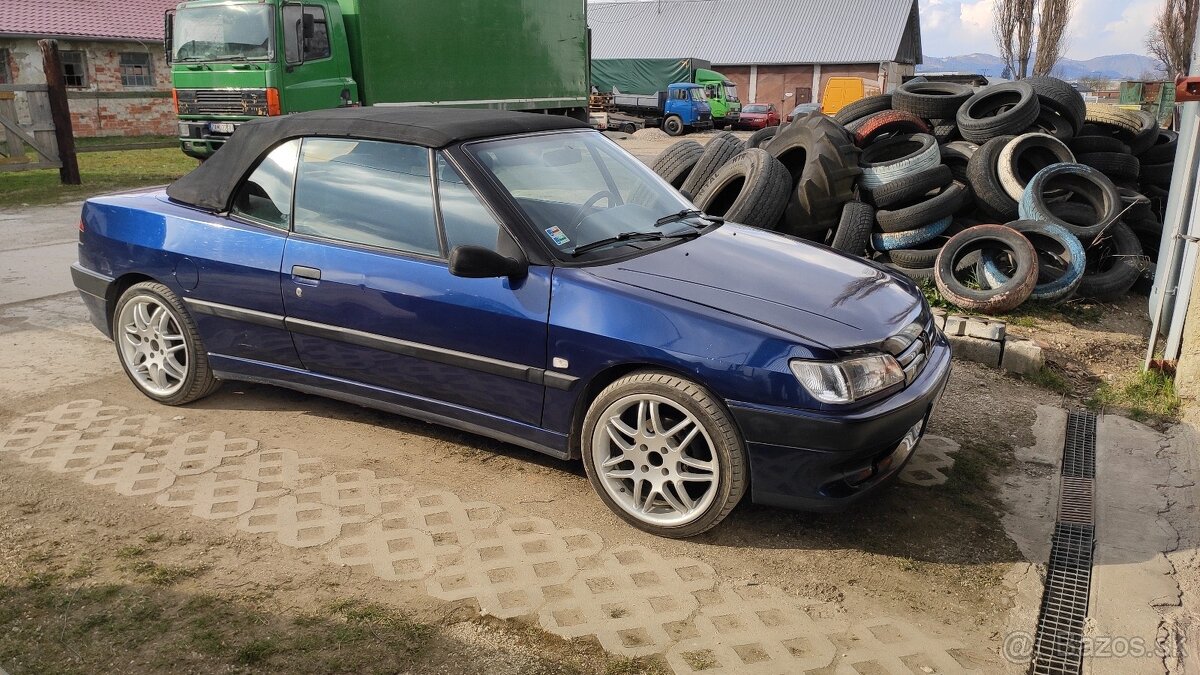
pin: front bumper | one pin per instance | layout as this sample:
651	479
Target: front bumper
823	461
197	139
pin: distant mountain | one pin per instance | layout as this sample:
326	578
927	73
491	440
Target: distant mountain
1115	67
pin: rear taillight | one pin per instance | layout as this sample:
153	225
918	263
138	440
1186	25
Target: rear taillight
175	100
273	102
82	227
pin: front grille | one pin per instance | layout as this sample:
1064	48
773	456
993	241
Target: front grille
911	349
222	101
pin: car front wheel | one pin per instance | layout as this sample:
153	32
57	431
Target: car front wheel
159	347
664	454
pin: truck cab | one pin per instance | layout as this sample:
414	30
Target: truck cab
722	96
233	61
686	107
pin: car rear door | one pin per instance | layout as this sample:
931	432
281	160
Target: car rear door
368	292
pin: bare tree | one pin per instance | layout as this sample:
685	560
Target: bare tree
1094	82
1013	29
1172	35
1051	34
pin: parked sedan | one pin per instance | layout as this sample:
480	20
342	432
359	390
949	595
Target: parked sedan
522	277
758	116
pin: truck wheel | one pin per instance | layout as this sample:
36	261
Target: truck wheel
673	125
628	128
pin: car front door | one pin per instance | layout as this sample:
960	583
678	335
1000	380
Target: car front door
368	291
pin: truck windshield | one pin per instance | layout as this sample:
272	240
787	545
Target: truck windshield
223	33
731	92
581	188
698	94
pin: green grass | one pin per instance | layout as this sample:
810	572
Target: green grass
101	172
1146	396
1074	312
103	141
164	575
1048	378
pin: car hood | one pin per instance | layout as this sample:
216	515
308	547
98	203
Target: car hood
810	291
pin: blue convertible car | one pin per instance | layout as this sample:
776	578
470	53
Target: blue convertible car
522	277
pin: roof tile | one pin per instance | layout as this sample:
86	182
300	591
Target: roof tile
112	19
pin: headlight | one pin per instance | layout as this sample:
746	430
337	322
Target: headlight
848	380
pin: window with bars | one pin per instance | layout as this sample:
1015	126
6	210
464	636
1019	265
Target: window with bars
135	69
74	67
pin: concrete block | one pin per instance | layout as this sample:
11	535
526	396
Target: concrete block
986	352
985	329
939	319
955	325
1023	357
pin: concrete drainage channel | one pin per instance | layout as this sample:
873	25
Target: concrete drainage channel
1058	642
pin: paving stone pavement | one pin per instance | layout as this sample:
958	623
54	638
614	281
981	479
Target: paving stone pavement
630	598
931	462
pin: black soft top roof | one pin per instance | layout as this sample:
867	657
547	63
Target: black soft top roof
210	186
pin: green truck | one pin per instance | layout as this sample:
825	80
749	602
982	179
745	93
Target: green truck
234	60
650	76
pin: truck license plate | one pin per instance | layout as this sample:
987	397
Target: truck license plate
221	127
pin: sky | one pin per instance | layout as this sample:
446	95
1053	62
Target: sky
1098	27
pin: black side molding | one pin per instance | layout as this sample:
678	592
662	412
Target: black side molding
236	313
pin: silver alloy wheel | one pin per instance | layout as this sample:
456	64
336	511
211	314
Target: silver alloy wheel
152	346
655	460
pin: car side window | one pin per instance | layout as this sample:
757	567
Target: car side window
367	192
266	196
466	220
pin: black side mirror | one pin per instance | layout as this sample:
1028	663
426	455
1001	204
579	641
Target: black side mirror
310	28
477	262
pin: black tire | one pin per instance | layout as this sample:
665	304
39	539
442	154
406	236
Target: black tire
920	257
676	162
1085	184
673	125
762	137
853	233
823	163
998	110
894	158
945	203
1147	135
1112	164
1061	98
908	188
751	189
945	133
1114	263
1163	150
198	380
956	155
719	151
931	100
1082	145
916	274
1157	174
984	178
862	108
728	449
1004	298
1053	124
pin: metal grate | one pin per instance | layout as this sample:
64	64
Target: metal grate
1058	647
1079	454
1058	644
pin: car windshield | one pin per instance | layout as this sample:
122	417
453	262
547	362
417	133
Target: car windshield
755	108
223	33
580	188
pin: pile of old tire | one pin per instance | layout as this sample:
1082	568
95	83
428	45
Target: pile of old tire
792	180
941	160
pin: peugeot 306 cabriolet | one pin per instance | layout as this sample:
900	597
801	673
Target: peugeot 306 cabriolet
522	277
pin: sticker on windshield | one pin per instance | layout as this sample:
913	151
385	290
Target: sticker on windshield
558	236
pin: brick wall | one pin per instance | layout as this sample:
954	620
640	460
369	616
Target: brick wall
775	82
104	106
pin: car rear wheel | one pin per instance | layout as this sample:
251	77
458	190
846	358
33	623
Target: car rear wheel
664	454
159	347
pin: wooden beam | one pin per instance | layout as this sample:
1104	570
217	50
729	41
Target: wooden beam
60	112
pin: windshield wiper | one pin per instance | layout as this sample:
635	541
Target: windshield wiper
685	214
631	236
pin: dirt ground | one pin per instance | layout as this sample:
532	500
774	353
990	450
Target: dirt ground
263	530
